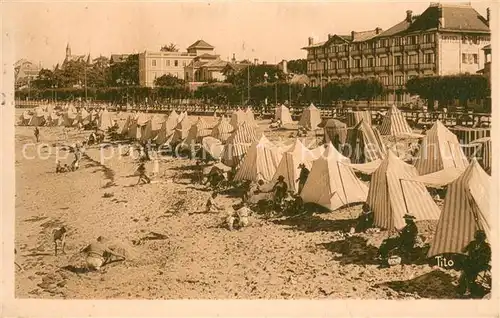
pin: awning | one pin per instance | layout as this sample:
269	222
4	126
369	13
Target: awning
440	178
366	168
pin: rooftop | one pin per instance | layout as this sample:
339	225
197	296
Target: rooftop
200	44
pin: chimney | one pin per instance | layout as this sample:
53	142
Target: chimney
264	62
310	41
256	61
234	58
330	36
378	30
352	35
440	17
488	15
408	15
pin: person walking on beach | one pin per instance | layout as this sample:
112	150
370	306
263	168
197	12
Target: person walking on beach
37	134
142	173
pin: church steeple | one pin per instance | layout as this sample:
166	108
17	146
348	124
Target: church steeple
68	51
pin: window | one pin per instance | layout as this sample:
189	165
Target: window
167	62
464	58
398	60
357	63
343	64
413	59
428	38
383	61
384	80
469	58
397	41
369	62
184	63
475	58
153	62
399	80
176	63
428	58
334	65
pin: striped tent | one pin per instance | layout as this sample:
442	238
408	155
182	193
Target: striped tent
237	145
332	183
197	132
484	152
310	118
289	164
355	117
126	125
105	121
392	195
152	127
222	130
364	144
394	123
466	209
282	113
238	117
440	149
260	162
167	129
181	131
136	126
53	119
250	116
335	132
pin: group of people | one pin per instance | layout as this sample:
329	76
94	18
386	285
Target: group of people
75	164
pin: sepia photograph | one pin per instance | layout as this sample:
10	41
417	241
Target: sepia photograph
251	150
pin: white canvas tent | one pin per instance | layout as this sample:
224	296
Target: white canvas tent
167	129
181	131
222	130
282	113
310	118
260	161
197	132
152	127
105	121
466	210
289	164
332	183
392	195
237	145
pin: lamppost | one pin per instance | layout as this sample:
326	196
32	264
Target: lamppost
55	92
266	76
85	72
276	88
289	77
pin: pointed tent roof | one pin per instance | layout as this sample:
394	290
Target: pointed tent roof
394	123
332	183
197	131
355	117
391	195
260	162
167	128
365	143
283	113
466	209
440	149
104	121
153	125
222	130
311	118
181	130
237	144
289	164
238	117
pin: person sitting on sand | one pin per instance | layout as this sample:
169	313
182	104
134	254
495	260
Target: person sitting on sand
98	254
211	204
238	216
280	189
142	173
478	259
365	219
404	242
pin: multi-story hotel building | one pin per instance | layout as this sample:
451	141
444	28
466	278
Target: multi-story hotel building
156	64
445	39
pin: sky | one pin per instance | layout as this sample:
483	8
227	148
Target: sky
269	31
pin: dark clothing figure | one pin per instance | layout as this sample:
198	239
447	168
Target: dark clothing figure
365	221
304	173
478	259
280	189
37	134
142	174
403	243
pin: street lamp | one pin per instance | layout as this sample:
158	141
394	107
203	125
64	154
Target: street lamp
265	77
290	76
276	89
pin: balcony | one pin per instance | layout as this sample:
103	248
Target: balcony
427	66
355	70
426	46
381	68
412	47
368	69
411	67
332	72
397	48
342	54
341	71
380	50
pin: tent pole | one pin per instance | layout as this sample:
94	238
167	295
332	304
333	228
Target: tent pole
342	181
403	192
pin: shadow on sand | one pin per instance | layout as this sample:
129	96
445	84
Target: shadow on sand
436	284
353	250
313	223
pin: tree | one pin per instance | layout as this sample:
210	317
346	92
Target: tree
169	48
99	75
125	73
297	66
169	81
335	91
45	79
365	89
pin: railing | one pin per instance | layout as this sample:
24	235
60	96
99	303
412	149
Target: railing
427	66
430	45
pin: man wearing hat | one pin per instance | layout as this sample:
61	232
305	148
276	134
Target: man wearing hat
304	173
408	234
280	189
365	219
478	259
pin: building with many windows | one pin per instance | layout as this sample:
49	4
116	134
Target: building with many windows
445	39
156	64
